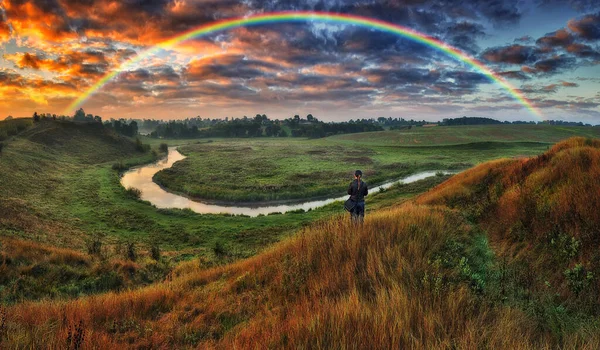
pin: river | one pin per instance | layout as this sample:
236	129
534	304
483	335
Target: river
141	178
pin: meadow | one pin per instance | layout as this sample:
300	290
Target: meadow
275	169
60	190
500	256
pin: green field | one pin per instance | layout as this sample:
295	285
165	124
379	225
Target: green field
247	170
58	187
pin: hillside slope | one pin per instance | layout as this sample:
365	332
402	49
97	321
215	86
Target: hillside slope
479	262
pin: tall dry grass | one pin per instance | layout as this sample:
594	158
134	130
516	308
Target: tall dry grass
407	278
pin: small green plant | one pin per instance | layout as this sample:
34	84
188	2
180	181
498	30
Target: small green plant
578	278
439	173
567	246
219	248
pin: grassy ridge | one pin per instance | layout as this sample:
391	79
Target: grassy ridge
272	169
540	212
451	135
448	270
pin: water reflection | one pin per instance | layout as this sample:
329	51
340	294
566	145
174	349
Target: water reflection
141	178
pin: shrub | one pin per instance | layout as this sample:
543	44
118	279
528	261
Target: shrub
131	251
578	279
219	248
163	147
120	166
94	244
155	251
1	146
140	147
134	193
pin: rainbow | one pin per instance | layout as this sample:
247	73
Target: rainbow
334	18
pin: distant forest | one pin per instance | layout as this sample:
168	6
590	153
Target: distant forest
262	126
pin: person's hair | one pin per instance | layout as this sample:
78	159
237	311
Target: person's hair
358	174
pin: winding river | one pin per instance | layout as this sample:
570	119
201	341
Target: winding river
141	178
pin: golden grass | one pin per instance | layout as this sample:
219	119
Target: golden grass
336	285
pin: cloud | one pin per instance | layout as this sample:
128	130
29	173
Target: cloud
587	27
552	65
515	74
513	54
526	39
560	37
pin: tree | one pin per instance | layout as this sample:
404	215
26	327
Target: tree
36	117
10	117
310	117
79	115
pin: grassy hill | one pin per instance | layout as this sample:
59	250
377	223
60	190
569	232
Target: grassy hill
68	228
501	256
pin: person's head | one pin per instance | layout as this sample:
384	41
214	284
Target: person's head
357	174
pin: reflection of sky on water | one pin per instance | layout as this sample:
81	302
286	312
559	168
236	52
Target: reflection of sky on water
141	178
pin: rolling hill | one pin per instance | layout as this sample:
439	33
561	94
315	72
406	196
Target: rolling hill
501	256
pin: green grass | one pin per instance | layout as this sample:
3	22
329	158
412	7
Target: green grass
56	194
249	170
58	187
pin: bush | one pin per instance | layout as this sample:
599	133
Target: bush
140	147
134	193
163	148
1	146
131	251
120	166
219	248
94	244
578	279
155	251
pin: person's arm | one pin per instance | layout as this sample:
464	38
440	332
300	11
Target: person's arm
366	189
350	189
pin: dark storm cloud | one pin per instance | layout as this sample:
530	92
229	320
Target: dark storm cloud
232	66
556	52
513	54
514	74
583	51
554	64
464	35
500	12
558	38
403	76
587	27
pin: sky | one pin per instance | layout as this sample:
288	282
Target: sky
52	51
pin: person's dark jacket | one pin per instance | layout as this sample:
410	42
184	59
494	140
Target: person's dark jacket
356	194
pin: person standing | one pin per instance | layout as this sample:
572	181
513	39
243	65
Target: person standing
357	191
